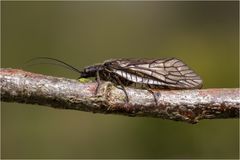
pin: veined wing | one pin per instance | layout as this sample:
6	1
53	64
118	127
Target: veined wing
169	72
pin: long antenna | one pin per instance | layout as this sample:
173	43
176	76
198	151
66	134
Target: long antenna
64	64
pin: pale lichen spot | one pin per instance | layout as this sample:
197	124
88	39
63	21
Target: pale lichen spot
84	80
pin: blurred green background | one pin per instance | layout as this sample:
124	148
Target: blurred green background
202	34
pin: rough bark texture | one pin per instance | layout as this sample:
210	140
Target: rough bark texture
181	105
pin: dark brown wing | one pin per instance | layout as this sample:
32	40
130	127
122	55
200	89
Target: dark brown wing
169	72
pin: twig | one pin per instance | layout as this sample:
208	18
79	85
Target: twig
181	105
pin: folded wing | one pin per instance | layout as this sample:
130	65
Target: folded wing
169	72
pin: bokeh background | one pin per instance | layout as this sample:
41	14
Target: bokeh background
202	34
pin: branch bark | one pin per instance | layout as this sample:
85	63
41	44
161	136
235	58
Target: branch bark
180	105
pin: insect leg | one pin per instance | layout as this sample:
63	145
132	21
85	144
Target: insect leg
124	90
153	93
154	96
98	82
121	87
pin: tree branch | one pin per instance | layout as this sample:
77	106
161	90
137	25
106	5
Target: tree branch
181	105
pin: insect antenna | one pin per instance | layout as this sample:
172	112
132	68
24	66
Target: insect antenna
59	63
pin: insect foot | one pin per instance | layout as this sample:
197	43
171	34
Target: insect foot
125	92
103	89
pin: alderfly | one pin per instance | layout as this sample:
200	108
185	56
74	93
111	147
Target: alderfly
166	73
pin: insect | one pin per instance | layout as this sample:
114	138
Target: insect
150	74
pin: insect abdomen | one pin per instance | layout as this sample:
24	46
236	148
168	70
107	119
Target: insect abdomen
136	78
168	83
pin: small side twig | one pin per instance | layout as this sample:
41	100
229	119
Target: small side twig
181	105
